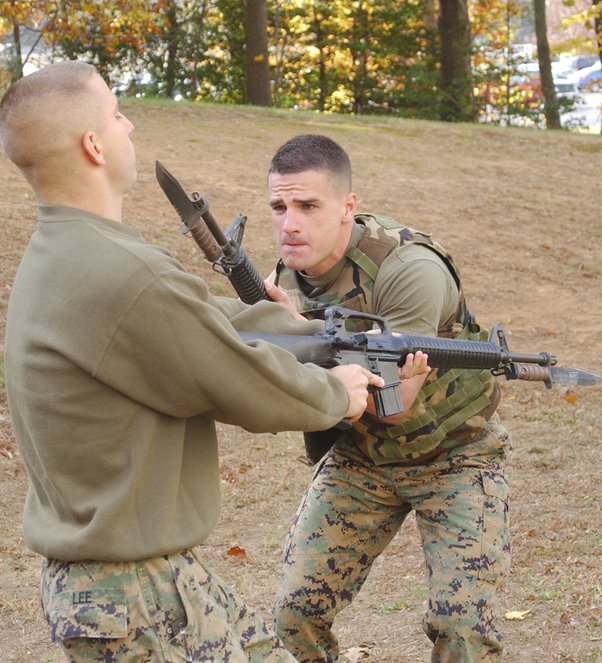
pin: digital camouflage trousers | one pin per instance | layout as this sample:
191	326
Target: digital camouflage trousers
353	509
166	609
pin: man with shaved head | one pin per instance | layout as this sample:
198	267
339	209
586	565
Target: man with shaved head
118	363
442	458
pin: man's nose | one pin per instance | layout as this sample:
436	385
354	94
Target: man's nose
290	222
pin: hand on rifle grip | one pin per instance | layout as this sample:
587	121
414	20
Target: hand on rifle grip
356	380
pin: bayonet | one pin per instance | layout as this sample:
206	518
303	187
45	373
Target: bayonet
222	249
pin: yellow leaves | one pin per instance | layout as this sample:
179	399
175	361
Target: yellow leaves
26	12
100	26
580	17
515	615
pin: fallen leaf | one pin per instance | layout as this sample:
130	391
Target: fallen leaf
570	396
237	551
354	654
516	614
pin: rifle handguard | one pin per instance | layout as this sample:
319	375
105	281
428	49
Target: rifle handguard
246	281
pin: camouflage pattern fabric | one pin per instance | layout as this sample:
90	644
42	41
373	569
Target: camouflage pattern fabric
353	509
166	609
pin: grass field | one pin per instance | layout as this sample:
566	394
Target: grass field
520	211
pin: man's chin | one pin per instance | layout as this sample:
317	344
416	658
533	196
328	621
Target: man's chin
296	263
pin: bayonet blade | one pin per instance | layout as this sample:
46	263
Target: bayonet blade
177	196
573	376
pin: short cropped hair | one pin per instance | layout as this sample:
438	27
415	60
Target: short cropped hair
312	152
27	105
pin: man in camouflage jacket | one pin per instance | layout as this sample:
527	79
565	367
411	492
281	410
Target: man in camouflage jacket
443	458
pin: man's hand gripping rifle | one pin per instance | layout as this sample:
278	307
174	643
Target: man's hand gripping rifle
382	352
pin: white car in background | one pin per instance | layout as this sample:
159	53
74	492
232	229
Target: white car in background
572	65
589	79
566	88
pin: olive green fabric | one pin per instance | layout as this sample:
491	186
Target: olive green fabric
405	276
117	364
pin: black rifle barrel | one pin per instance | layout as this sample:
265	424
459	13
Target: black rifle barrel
455	353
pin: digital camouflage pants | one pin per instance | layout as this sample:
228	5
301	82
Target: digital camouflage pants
167	609
353	509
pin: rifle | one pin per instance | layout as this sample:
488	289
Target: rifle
380	353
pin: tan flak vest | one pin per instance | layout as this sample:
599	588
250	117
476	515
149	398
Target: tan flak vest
453	404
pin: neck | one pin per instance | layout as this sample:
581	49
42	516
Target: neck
91	196
336	254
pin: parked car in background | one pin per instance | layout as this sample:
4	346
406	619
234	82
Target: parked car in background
571	65
566	88
589	79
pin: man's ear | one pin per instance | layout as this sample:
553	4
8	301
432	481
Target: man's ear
350	206
92	148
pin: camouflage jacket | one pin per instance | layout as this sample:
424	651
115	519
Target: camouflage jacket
454	404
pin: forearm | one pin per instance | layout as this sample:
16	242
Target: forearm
273	318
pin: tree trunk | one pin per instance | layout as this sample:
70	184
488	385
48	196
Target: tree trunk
320	44
360	45
551	111
17	71
598	28
597	5
256	63
456	78
171	66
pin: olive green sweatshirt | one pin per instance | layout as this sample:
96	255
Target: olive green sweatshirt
117	364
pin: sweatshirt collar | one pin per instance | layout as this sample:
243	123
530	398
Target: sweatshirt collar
64	214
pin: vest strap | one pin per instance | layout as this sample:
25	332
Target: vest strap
363	262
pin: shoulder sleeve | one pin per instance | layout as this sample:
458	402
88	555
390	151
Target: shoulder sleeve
415	291
177	352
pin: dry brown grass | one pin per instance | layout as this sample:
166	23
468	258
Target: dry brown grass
520	211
